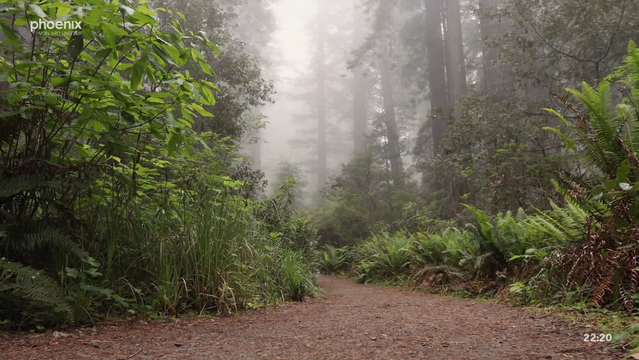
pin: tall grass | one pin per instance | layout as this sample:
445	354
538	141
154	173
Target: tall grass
204	251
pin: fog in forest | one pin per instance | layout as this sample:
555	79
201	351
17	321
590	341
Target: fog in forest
164	157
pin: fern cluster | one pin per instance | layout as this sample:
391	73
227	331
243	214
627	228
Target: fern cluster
25	289
606	138
488	248
31	241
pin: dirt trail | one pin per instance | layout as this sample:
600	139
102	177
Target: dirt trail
348	321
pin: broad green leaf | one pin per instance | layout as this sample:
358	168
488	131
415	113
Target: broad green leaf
72	273
138	72
162	54
108	33
173	53
63	9
208	95
201	110
205	67
76	45
21	21
61	81
14	42
174	142
120	96
185	56
37	10
51	99
8	32
102	53
145	10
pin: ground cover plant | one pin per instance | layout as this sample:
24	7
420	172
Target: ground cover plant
579	255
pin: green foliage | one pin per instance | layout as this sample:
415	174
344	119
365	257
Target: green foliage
494	158
289	183
383	256
605	136
30	296
452	247
103	153
332	259
297	282
364	199
488	249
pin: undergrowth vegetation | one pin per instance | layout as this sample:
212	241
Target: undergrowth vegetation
581	253
111	204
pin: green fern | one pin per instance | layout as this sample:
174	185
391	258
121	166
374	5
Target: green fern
28	283
34	235
605	139
332	259
21	183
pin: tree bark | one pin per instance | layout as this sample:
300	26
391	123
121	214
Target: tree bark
359	89
394	152
455	60
321	98
255	151
490	56
439	103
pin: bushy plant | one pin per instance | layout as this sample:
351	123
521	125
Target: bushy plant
451	247
116	204
491	248
383	256
605	136
332	259
298	277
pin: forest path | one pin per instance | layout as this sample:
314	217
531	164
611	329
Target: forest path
347	321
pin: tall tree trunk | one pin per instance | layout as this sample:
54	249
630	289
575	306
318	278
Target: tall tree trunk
447	62
455	74
497	75
359	111
321	98
255	151
394	152
455	60
359	88
490	56
436	72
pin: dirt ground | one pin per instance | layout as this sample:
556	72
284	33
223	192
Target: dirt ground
347	321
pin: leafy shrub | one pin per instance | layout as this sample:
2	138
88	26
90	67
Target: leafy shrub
490	248
383	256
605	137
451	247
297	277
115	169
332	259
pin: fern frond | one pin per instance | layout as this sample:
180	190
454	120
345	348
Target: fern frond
18	184
34	235
597	296
31	284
